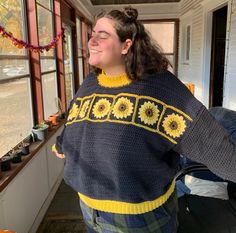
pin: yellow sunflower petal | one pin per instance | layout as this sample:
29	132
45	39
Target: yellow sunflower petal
84	108
148	113
73	113
123	108
174	125
101	108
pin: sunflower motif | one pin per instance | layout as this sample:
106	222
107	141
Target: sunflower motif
84	108
101	108
73	111
123	108
174	125
148	113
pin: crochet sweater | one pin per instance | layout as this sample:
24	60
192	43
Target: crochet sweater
122	141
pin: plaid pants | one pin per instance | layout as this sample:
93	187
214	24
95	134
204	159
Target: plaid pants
160	220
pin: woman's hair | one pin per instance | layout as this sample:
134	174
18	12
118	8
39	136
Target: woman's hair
144	56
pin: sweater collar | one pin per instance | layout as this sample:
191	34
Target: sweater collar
113	81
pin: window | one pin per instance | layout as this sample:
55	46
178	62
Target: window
80	50
15	92
186	37
68	62
187	44
165	35
47	58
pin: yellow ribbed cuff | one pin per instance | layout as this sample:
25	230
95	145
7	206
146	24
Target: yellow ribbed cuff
54	149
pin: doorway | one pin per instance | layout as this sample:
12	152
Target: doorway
219	24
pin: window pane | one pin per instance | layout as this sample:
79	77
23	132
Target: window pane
79	36
69	87
15	113
13	67
45	3
81	71
49	94
11	18
188	33
163	33
68	62
45	29
48	64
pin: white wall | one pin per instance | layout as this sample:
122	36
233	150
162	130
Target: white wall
26	198
198	69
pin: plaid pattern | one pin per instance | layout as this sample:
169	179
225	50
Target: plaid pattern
160	220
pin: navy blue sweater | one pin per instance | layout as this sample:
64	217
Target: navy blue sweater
122	141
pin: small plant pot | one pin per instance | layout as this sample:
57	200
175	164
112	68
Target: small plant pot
40	132
53	119
5	163
24	148
50	125
63	115
15	156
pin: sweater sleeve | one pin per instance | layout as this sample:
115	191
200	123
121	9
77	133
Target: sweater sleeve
207	142
58	145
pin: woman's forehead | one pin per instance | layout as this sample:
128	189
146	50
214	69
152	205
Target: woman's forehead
104	24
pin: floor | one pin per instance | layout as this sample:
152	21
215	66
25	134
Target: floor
63	211
65	200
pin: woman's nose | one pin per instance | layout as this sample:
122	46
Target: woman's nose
93	40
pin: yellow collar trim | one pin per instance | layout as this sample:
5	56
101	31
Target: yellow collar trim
113	81
119	207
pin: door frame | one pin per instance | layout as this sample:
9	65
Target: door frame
208	8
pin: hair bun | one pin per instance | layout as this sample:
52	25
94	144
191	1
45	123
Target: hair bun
131	14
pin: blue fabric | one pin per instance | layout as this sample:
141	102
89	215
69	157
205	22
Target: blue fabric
125	159
182	189
227	118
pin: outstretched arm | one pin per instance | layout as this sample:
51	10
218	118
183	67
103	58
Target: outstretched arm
207	142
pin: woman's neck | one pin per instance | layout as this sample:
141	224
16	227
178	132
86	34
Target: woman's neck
116	71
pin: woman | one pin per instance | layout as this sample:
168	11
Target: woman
126	127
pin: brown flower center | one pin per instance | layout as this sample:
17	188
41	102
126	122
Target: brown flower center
173	125
149	112
122	107
101	107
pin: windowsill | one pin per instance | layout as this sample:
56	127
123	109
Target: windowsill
7	176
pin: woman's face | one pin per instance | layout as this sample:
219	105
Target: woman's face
105	48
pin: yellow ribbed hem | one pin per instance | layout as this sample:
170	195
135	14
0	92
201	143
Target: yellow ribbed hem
113	81
119	207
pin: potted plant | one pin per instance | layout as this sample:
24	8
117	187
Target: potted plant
40	131
53	119
5	163
24	147
15	155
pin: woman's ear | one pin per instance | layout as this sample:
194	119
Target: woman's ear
126	45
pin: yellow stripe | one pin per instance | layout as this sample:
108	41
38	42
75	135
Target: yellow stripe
119	207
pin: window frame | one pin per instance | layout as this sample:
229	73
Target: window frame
175	53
